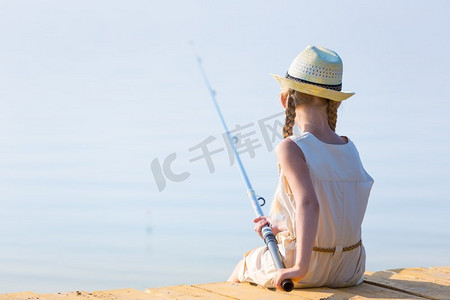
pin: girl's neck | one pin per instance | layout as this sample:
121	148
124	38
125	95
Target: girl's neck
314	119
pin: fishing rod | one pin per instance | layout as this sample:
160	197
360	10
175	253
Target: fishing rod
269	237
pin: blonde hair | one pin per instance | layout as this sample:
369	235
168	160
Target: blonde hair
294	98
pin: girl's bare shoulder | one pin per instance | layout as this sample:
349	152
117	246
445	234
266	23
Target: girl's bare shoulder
288	149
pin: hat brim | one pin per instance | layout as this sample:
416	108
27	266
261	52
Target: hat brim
313	89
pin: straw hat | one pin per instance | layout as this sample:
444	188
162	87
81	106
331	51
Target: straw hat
316	71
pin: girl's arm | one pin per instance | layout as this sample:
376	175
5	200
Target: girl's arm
293	163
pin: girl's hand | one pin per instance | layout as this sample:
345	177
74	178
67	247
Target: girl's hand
260	223
276	226
295	274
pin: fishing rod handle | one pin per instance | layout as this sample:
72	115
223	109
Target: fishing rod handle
287	285
272	246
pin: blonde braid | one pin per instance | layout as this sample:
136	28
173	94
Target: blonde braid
332	114
290	114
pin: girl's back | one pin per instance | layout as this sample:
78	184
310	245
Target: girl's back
342	187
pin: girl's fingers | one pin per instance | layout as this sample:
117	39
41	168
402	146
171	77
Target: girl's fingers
261	223
278	279
257	219
258	226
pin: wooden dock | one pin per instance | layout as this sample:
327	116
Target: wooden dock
411	283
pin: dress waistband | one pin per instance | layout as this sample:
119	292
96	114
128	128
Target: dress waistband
332	250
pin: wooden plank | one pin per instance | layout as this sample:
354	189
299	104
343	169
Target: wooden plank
365	291
247	291
223	290
120	294
320	293
66	296
408	284
432	275
19	296
362	291
123	294
184	292
443	269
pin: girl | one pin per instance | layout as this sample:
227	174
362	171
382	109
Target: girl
323	188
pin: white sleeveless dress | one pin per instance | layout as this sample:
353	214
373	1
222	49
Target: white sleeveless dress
342	187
